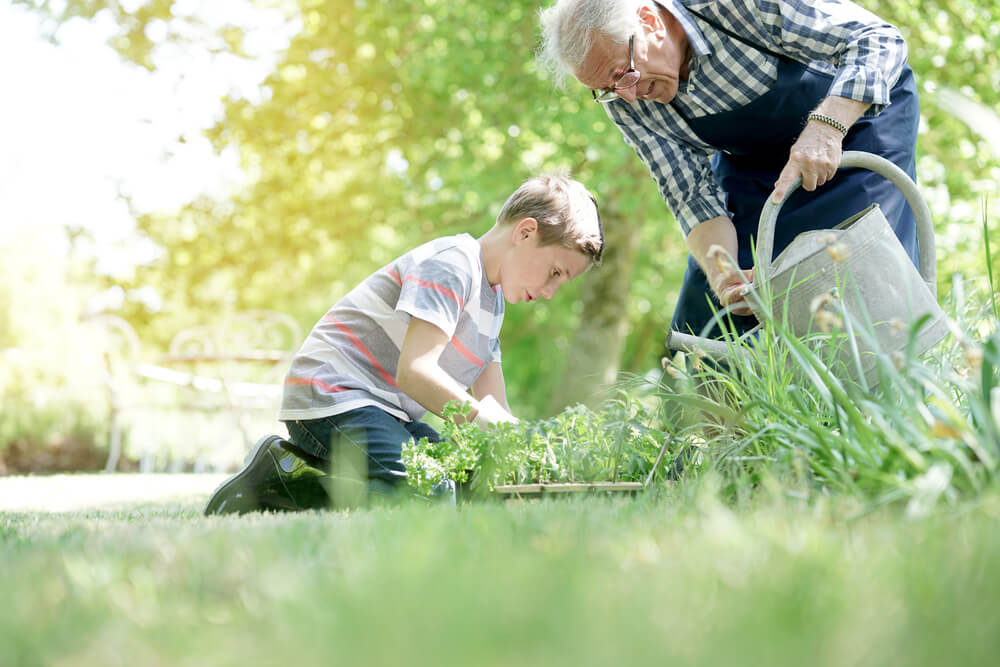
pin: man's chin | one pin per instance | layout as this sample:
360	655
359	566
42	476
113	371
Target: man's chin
663	92
666	97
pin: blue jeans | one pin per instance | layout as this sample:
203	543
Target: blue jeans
367	435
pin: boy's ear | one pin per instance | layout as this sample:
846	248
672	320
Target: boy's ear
524	229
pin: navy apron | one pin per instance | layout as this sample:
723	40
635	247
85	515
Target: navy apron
754	142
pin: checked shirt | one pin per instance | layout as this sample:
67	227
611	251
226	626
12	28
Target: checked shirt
863	54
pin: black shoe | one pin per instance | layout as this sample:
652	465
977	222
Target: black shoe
273	478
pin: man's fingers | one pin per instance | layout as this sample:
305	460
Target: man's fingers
784	182
741	308
738	304
814	158
826	175
809	180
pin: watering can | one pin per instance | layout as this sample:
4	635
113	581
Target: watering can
859	267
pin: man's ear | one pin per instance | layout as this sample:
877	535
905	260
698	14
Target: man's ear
650	19
524	229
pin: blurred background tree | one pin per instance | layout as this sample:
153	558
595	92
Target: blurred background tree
954	47
385	124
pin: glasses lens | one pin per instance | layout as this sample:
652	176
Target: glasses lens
628	80
605	96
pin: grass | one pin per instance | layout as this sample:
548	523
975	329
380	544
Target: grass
817	523
672	577
928	433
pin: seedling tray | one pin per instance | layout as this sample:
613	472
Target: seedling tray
508	491
513	490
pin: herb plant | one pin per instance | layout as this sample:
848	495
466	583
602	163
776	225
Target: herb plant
619	442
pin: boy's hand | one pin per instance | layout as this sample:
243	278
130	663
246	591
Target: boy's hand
491	412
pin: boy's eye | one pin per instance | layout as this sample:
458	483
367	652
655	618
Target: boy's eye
555	273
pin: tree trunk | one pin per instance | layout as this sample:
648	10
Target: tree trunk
596	349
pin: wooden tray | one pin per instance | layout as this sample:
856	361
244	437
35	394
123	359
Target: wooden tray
568	487
516	490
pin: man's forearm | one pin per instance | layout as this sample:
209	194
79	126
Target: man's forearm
714	246
715	263
841	109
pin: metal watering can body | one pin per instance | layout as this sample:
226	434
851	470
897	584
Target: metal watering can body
855	277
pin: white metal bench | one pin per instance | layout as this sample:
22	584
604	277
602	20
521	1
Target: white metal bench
235	365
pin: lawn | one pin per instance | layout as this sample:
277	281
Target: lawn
672	576
817	523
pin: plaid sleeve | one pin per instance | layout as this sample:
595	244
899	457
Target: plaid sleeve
682	173
867	52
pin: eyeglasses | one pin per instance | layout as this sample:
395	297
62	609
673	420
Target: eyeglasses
626	79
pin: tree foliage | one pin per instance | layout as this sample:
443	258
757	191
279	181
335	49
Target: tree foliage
954	46
385	124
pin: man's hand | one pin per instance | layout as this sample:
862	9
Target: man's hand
727	280
729	291
815	155
714	246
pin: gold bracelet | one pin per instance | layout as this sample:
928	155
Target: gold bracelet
832	122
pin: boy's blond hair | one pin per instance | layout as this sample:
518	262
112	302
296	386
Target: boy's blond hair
566	213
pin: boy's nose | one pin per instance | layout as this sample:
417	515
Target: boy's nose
549	291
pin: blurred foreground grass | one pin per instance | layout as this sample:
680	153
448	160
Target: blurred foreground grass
676	577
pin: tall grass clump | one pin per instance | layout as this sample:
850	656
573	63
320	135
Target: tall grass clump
788	408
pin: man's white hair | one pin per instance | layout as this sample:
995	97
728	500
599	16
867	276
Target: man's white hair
568	28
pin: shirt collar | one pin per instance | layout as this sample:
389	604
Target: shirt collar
699	45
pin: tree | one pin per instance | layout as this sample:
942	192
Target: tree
387	123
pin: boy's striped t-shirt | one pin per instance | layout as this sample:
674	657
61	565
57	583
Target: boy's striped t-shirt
350	357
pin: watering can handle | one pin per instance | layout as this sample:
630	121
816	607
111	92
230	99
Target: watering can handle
898	177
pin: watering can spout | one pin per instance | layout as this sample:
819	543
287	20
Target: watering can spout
872	283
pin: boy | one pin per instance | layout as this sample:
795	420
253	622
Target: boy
415	335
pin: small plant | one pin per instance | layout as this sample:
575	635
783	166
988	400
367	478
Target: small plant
617	443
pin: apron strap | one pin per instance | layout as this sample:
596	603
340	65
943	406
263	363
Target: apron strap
738	38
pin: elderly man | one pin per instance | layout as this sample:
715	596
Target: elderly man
727	100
